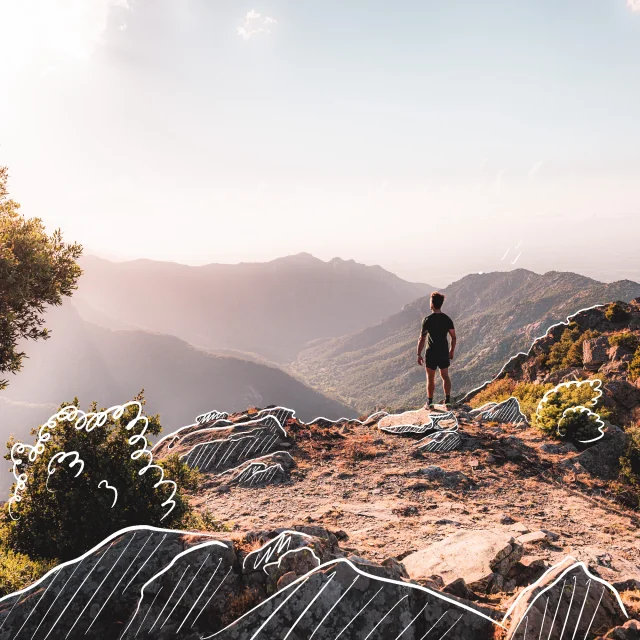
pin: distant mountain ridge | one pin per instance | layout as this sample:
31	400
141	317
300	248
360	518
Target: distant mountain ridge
496	315
273	309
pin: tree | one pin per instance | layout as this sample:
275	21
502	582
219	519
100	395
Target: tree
89	475
36	270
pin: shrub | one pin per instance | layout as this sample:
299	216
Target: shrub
529	394
634	365
630	461
18	570
615	312
625	339
64	512
549	417
567	351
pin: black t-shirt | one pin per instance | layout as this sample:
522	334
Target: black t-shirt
436	327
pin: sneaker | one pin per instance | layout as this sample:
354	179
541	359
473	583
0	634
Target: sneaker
429	406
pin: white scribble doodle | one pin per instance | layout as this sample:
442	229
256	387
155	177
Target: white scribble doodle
505	253
108	486
516	258
61	457
275	547
212	415
596	385
88	422
526	353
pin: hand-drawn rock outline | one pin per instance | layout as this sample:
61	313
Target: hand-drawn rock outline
596	385
293	586
566	323
109	486
539	581
203	418
440	442
62	455
97	547
432	425
88	422
198	547
490	410
273	547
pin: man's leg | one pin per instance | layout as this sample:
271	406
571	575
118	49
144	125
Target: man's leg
446	385
431	384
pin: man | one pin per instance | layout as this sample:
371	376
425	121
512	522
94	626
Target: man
435	328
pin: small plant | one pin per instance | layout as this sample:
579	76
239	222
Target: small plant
567	351
528	394
361	448
615	312
625	339
634	366
630	462
238	605
575	425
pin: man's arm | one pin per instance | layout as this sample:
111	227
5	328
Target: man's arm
420	348
452	333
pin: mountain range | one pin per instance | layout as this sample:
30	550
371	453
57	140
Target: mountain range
271	309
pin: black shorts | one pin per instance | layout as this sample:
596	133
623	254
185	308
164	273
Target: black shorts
435	361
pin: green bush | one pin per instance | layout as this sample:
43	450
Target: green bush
615	312
18	570
550	420
63	513
567	351
630	461
529	394
578	426
625	339
634	366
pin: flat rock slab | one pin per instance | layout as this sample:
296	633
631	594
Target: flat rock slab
418	417
478	557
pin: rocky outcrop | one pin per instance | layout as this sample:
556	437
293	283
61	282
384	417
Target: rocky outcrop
483	559
567	601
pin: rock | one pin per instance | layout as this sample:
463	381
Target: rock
520	528
534	536
630	630
558	591
527	571
603	458
507	519
552	447
459	588
594	352
482	558
624	393
286	579
447	478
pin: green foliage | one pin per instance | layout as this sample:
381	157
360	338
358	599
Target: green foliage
575	426
634	365
625	339
35	270
578	426
204	520
17	570
61	515
630	461
615	312
529	394
567	352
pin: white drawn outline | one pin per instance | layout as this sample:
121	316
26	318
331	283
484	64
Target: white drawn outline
88	422
359	572
273	547
596	385
540	580
108	486
113	536
526	353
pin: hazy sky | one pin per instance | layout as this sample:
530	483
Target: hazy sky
428	137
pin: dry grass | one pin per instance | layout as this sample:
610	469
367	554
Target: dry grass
631	601
239	605
361	448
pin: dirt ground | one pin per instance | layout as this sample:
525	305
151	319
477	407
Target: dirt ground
369	484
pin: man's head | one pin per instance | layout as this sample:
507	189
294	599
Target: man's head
437	299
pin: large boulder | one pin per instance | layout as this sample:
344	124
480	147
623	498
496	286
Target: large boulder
567	601
481	558
595	352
